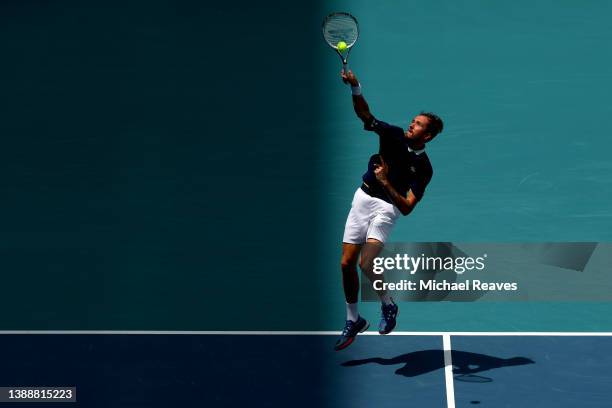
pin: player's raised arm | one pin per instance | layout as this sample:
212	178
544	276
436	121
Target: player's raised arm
359	103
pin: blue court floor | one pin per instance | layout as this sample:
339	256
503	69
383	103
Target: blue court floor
400	370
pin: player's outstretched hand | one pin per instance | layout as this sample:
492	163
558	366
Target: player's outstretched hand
349	78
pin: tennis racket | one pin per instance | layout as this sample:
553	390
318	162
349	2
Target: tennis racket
341	27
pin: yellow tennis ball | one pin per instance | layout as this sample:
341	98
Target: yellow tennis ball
341	46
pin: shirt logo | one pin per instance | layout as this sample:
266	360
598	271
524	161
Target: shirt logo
412	169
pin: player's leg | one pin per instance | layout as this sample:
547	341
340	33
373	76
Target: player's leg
355	232
354	324
370	251
350	276
378	232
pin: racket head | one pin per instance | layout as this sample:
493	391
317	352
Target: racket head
340	26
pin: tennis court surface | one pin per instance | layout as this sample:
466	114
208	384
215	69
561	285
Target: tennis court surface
216	369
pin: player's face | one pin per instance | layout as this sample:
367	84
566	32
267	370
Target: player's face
417	130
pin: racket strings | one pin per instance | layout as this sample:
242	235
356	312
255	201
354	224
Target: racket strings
340	27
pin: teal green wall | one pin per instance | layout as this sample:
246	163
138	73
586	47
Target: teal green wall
158	164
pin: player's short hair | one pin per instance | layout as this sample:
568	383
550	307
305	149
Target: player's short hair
435	124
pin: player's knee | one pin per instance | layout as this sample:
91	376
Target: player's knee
348	265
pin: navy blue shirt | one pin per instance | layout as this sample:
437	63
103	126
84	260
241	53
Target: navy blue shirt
408	170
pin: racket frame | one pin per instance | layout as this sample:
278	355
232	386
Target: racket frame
343	58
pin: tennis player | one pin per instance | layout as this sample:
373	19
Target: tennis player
392	186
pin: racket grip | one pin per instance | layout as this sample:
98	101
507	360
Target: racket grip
345	68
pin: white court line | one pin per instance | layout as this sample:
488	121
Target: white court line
448	371
297	333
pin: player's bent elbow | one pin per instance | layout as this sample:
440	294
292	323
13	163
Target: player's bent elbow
405	211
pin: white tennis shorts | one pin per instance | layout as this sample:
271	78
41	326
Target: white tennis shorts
369	217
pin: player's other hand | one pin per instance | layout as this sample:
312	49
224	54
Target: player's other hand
349	78
381	171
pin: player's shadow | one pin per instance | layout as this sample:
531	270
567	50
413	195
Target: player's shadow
425	361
